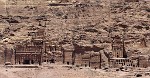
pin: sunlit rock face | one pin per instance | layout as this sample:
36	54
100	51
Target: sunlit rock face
88	22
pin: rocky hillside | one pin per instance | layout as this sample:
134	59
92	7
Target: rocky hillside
89	22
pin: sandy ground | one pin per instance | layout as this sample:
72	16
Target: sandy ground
55	71
59	71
